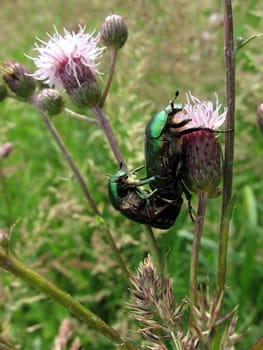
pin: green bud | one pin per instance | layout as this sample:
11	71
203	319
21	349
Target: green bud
18	79
50	101
114	31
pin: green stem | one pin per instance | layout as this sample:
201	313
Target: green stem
81	116
17	268
85	190
199	223
114	53
154	251
229	142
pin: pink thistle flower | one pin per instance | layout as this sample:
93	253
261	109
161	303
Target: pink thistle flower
73	54
202	113
201	153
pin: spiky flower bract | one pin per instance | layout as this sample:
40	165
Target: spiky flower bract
70	61
50	101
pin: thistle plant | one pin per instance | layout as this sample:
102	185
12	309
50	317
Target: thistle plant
68	68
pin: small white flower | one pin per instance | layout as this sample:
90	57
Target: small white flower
202	113
69	53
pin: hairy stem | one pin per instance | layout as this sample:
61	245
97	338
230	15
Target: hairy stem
107	129
199	223
229	142
17	268
114	53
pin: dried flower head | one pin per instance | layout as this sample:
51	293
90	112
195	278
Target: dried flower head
153	305
201	154
71	62
206	318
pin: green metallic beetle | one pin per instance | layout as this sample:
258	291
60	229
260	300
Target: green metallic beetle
163	138
163	151
136	203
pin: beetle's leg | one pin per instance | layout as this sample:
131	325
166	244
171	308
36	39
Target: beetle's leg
146	181
188	197
137	169
145	194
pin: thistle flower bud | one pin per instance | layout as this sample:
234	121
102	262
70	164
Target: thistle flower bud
3	92
18	80
201	159
50	101
114	31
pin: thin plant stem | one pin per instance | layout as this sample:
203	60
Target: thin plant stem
176	343
199	223
84	189
10	263
229	142
114	53
107	129
81	116
155	251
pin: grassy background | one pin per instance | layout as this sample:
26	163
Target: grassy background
170	46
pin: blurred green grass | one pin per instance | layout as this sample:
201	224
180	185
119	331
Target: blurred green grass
169	47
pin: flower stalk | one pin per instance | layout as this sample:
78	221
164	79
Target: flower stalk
199	223
114	53
229	142
107	129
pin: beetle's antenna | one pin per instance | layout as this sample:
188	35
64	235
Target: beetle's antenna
176	94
